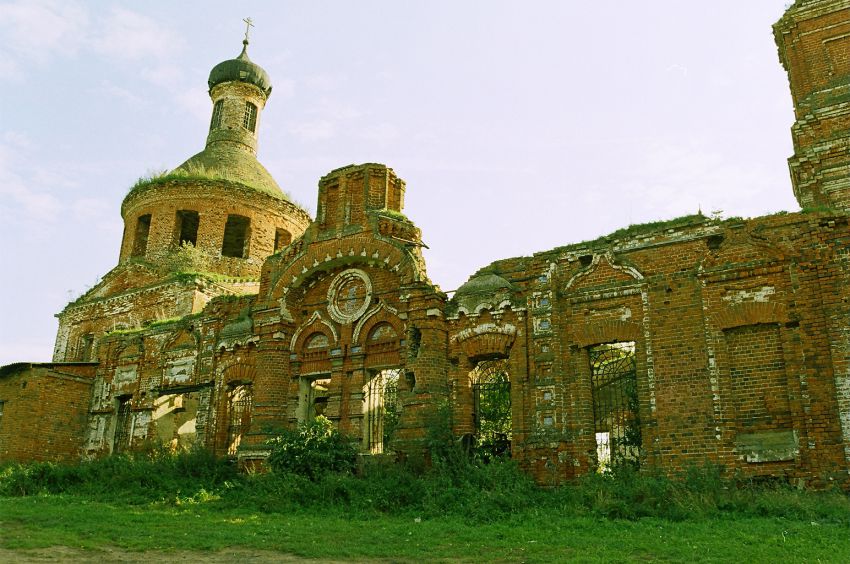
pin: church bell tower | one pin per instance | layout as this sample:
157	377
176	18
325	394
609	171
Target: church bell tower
814	47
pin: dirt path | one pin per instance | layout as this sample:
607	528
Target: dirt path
68	554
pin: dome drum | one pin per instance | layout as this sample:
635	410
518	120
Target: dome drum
233	235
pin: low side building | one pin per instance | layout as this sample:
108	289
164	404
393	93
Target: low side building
44	410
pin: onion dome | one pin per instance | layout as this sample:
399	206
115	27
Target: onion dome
241	69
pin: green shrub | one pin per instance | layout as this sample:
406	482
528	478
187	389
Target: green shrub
312	450
136	478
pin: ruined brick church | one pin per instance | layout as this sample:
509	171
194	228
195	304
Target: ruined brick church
232	314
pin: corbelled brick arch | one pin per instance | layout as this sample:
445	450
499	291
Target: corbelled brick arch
328	256
381	341
608	331
381	313
317	323
600	269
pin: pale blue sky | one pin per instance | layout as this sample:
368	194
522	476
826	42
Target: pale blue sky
518	126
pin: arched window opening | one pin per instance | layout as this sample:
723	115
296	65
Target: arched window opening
236	237
215	123
240	406
249	121
381	410
491	412
282	238
186	227
616	417
140	241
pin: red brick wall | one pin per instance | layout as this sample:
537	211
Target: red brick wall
759	380
45	411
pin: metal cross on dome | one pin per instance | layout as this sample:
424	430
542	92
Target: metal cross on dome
248	25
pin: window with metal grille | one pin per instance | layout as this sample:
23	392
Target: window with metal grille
249	121
123	423
491	412
239	416
140	242
235	242
382	409
616	415
186	227
215	123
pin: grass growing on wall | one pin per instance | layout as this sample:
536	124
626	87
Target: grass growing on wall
200	173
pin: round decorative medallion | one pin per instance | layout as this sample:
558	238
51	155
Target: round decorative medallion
349	295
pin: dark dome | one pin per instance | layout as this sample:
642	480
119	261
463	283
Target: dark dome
241	69
487	283
485	289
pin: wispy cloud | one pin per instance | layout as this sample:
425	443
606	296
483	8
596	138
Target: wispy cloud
37	30
114	91
128	35
20	201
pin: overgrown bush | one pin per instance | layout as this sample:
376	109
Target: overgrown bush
322	481
312	450
137	478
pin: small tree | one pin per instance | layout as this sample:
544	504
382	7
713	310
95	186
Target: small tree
313	449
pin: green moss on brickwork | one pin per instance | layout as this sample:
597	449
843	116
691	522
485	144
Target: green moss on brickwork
231	298
394	215
176	175
821	209
197	169
520	264
161	322
650	228
638	229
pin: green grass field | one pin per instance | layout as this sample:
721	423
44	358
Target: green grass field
533	536
192	507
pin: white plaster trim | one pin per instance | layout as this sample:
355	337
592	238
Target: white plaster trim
647	347
333	291
355	339
482	329
315	317
230	344
609	258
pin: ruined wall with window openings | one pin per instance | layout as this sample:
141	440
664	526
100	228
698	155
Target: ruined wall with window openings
232	315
